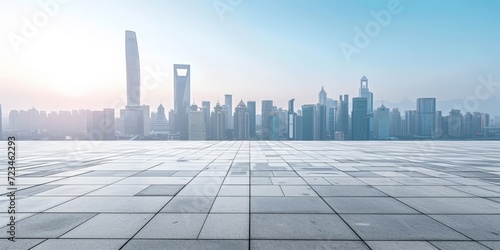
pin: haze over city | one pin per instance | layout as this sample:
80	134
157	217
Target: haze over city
254	50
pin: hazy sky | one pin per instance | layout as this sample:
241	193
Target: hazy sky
255	50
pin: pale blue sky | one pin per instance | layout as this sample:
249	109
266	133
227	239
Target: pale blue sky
278	50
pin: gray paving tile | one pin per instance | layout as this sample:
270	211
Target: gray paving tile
160	190
477	227
173	226
81	244
187	244
19	244
122	226
326	191
400	245
298	191
452	205
491	244
289	205
300	226
189	205
399	227
234	190
310	244
421	191
452	245
113	204
199	190
266	190
368	205
231	205
226	226
49	225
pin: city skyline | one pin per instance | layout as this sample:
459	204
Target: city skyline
49	69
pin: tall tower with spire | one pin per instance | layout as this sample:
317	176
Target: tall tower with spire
364	91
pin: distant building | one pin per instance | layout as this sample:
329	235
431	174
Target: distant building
133	116
182	92
252	117
160	126
219	123
331	111
196	124
410	122
205	106
101	125
321	115
396	123
426	117
360	122
455	124
228	102
309	122
267	110
241	122
364	91
292	119
299	128
382	128
343	115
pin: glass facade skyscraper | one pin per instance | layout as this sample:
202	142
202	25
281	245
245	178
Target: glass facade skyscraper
182	101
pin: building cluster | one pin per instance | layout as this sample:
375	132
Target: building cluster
328	119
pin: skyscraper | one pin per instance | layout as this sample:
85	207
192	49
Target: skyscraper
331	111
364	91
182	99
291	121
410	122
426	117
252	114
396	126
196	124
267	110
382	123
101	125
309	122
241	122
322	115
455	123
343	115
160	123
360	123
228	101
133	115
205	107
133	69
218	123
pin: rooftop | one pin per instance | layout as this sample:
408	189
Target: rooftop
257	195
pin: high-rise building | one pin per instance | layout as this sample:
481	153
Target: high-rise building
219	123
309	122
426	117
396	126
101	125
455	123
241	122
133	115
364	91
160	126
322	115
410	122
331	110
291	121
182	92
146	119
205	106
360	123
133	69
196	124
343	115
300	126
382	128
228	101
468	125
439	125
267	111
252	114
